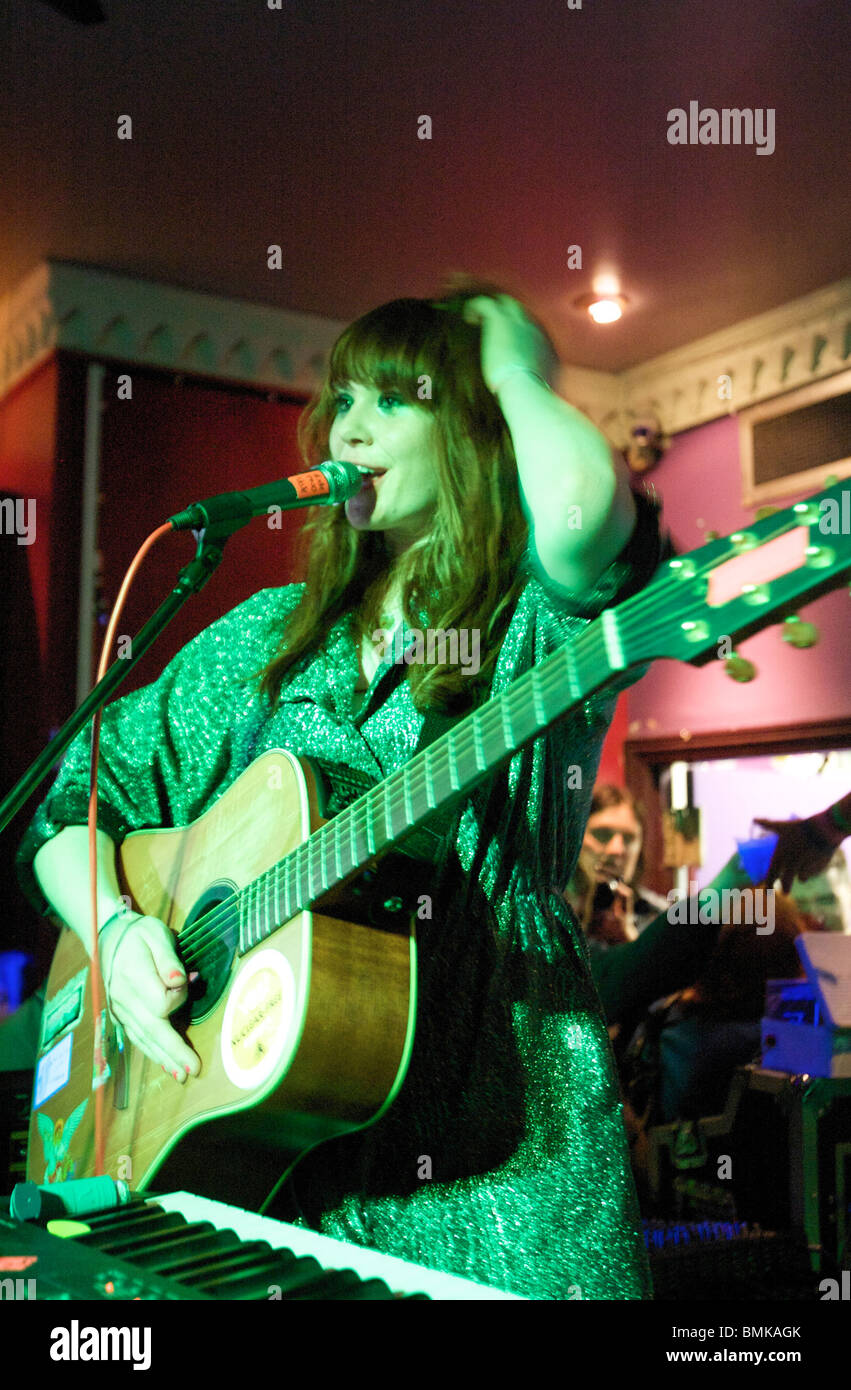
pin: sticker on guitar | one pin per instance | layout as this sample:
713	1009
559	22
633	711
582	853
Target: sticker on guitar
256	1025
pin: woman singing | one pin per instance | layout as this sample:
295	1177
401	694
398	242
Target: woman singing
493	507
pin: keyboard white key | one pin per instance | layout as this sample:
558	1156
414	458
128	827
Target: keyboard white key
399	1275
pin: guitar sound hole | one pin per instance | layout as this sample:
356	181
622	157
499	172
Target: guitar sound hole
208	948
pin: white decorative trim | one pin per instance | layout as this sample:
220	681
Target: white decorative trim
64	305
800	342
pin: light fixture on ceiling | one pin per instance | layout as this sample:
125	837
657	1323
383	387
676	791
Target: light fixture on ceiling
602	308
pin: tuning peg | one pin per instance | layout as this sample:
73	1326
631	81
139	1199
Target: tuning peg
799	633
763	512
738	668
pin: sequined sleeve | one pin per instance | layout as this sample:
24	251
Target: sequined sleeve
169	749
645	550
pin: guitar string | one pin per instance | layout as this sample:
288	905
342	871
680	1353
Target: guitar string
415	775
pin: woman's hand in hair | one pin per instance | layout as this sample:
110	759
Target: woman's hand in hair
509	338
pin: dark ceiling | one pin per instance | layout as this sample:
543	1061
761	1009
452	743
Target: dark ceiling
298	126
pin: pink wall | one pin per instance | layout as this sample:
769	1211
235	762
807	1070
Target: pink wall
699	482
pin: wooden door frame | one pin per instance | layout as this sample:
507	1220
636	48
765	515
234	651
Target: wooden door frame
645	758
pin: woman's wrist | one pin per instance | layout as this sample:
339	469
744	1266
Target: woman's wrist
115	928
121	913
504	374
112	933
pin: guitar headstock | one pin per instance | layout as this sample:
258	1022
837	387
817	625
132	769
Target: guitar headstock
733	586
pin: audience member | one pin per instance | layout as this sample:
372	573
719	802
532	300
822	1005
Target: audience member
605	891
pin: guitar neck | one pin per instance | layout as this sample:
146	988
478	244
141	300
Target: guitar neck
450	767
683	614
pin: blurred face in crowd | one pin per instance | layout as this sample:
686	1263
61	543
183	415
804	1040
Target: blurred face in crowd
612	844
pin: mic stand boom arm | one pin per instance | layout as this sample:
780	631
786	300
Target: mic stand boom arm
192	578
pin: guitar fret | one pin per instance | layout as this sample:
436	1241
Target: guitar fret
327	845
307	873
289	909
538	700
452	768
507	731
300	877
429	781
338	852
612	639
478	743
319	875
319	862
574	685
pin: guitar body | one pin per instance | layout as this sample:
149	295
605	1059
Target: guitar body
304	1037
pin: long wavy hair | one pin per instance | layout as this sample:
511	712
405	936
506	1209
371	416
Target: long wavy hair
465	573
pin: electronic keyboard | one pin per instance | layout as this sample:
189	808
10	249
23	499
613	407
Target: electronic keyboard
179	1246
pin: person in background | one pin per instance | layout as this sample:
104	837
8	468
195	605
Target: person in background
604	891
806	847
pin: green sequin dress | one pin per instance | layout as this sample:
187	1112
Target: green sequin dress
511	1094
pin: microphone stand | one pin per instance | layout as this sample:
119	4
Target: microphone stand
192	578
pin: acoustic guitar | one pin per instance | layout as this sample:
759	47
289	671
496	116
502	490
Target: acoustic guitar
302	955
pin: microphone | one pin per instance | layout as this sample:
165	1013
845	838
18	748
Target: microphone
324	485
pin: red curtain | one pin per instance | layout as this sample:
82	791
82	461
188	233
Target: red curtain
172	444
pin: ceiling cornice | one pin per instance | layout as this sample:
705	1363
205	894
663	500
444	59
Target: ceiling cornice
98	312
65	305
751	361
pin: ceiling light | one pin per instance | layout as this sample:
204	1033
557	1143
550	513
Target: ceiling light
605	310
602	308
